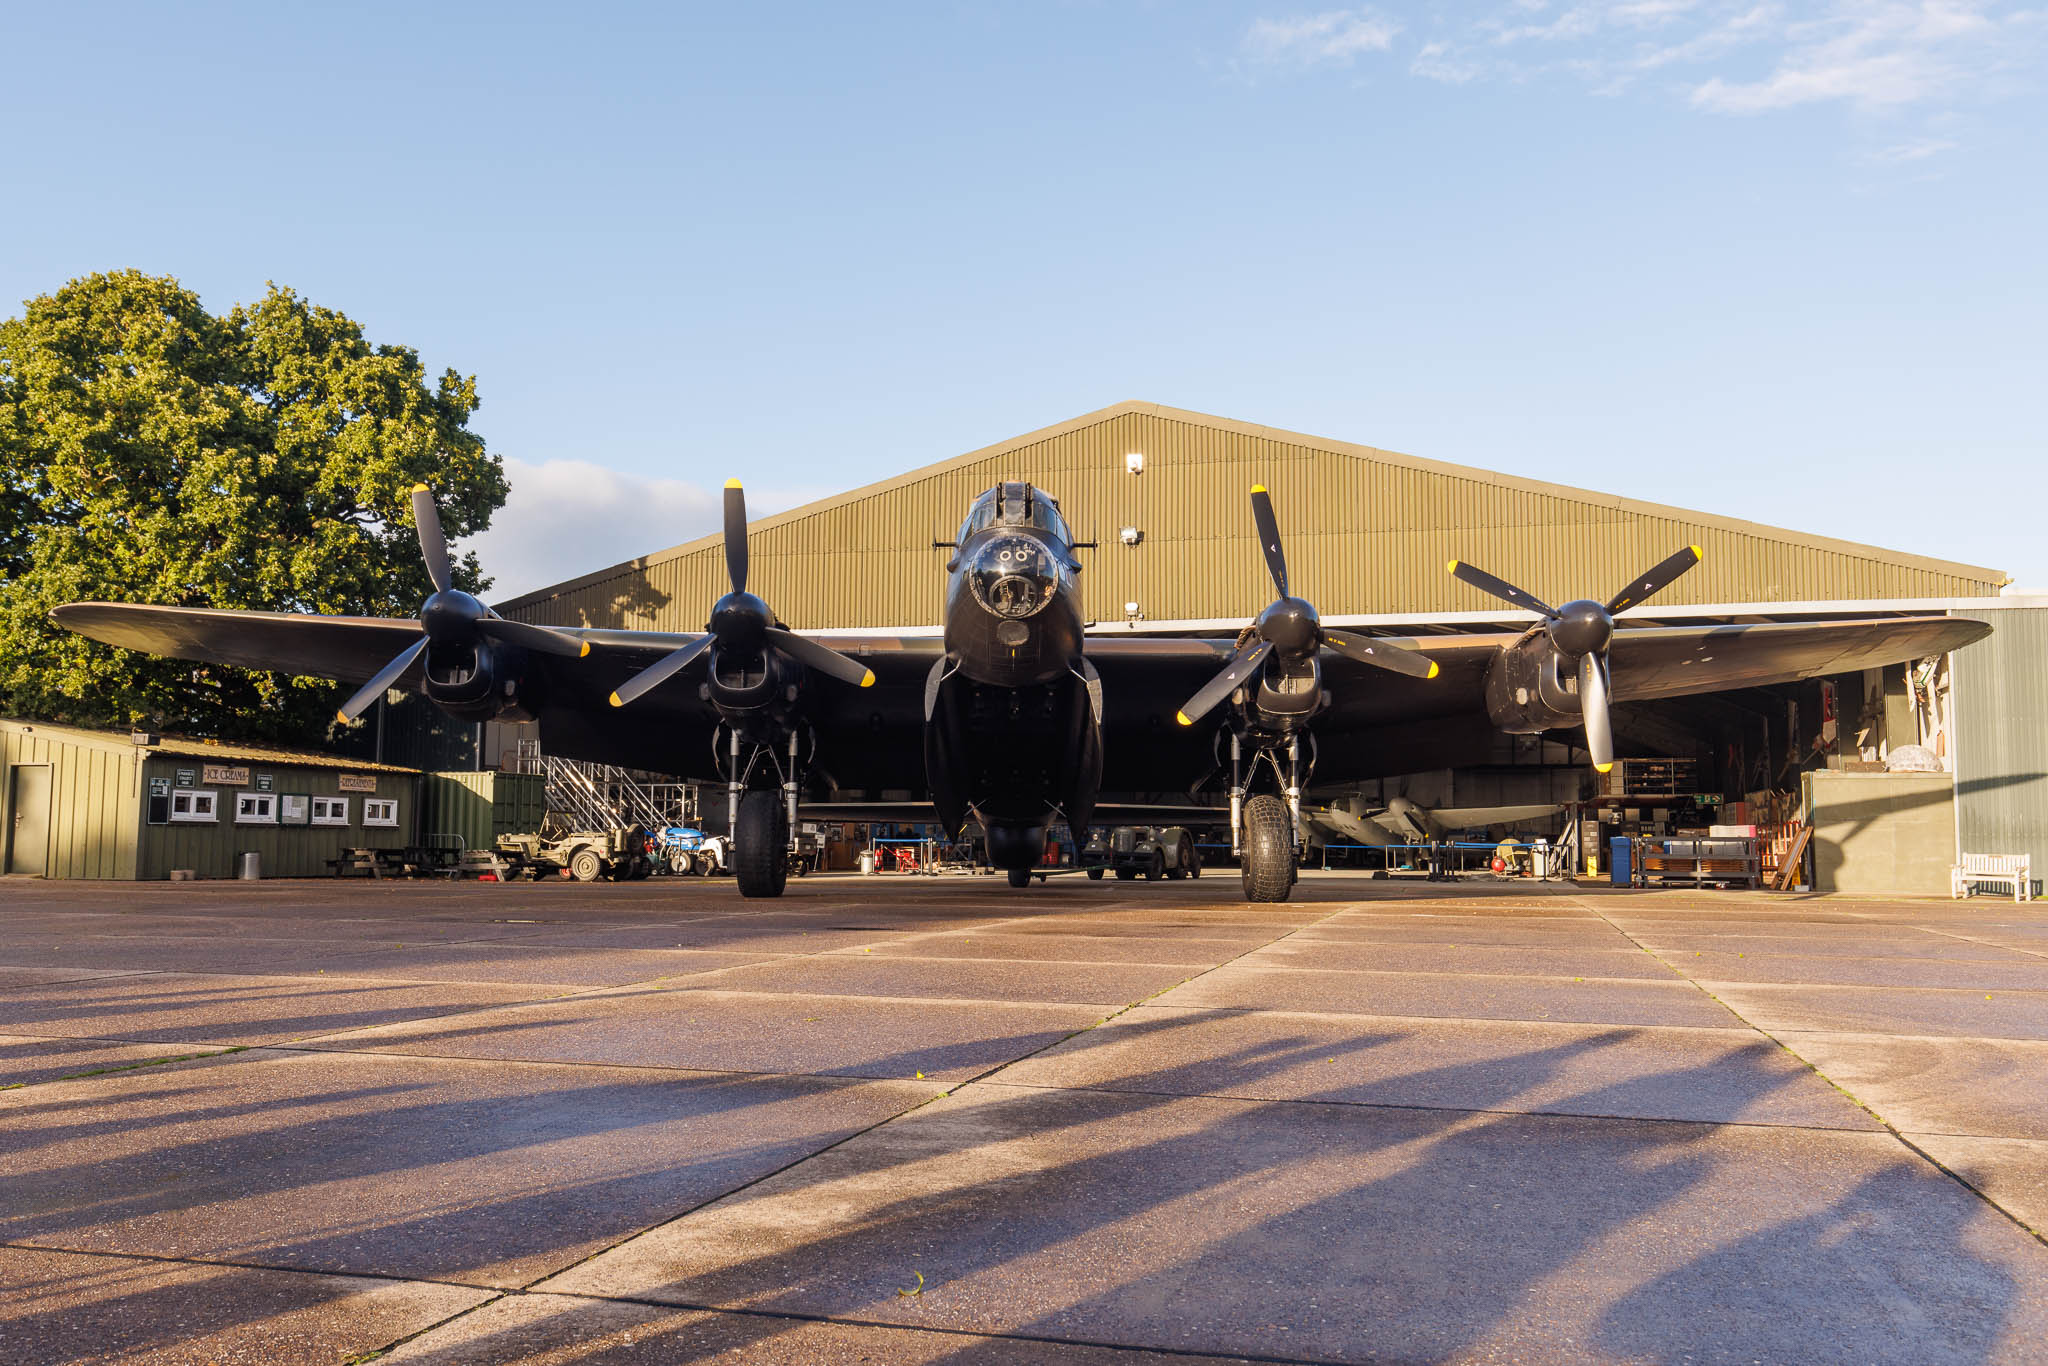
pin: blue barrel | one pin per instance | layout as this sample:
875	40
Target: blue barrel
1618	855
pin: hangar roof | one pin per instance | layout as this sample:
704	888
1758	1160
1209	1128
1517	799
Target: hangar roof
213	751
1367	531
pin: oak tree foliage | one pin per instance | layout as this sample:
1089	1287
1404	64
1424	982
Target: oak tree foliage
153	452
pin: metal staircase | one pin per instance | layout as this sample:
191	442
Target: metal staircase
590	796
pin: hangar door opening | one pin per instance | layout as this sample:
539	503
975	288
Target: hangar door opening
28	845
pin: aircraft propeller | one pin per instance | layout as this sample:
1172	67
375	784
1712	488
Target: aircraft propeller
1290	626
739	620
1583	630
452	617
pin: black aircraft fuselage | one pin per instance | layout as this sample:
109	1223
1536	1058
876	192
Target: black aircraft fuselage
1012	730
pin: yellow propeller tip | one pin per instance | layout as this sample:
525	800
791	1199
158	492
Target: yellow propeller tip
1183	718
1258	488
732	483
342	717
867	680
419	488
1434	670
586	651
1450	566
616	702
1697	553
1603	768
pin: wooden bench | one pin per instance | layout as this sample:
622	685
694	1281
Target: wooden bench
2013	870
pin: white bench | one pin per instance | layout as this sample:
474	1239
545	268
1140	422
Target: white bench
2014	870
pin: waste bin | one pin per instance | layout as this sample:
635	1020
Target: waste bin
867	862
249	866
1618	851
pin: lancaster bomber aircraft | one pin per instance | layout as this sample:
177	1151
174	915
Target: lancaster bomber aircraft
1016	718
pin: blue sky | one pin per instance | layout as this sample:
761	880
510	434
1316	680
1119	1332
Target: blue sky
1777	261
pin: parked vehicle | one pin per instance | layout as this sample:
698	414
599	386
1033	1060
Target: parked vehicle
1153	851
685	849
586	855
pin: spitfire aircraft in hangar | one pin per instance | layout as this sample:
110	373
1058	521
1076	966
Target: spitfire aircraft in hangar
1015	718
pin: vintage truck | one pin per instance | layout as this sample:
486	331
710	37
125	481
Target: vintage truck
586	855
1156	851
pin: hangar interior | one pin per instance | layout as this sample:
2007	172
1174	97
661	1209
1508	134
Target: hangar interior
1161	494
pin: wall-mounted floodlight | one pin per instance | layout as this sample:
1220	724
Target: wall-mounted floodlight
1134	463
1131	611
1130	535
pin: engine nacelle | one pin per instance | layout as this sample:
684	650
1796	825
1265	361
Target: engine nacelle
1532	688
752	688
479	682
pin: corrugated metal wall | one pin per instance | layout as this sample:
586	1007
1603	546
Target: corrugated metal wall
1366	533
95	801
2001	721
287	850
482	806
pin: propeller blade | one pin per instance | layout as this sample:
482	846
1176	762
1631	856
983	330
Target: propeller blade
1269	536
1500	588
1383	654
736	535
1593	709
433	545
366	695
1656	581
530	637
659	672
1223	684
812	655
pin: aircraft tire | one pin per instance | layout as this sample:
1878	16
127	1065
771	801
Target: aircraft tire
1020	877
760	853
1268	849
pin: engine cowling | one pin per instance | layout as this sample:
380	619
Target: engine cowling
1531	687
476	682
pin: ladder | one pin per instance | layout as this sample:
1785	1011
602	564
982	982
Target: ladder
590	796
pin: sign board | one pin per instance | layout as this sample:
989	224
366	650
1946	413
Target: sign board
188	777
263	782
356	782
226	776
159	787
294	808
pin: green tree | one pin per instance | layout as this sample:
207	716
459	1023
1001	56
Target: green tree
152	452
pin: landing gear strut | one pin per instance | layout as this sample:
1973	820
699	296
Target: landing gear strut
762	818
1264	829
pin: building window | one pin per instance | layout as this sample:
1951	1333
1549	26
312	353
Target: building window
193	804
256	808
330	811
380	811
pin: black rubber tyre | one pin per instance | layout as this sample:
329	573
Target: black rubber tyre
1126	874
586	866
1156	869
1268	849
1020	877
760	847
642	870
1194	858
1095	875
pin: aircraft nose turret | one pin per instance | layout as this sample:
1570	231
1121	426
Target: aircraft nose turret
1013	576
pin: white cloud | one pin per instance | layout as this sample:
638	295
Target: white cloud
1919	149
1336	36
1871	53
565	518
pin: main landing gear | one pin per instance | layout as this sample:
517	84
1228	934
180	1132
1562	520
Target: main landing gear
762	818
1264	827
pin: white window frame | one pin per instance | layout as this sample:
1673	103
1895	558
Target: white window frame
380	811
203	805
330	805
264	810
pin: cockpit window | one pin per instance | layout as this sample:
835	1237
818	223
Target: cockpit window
1015	504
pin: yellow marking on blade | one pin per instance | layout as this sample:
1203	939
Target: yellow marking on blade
1603	768
1258	488
1697	553
1433	670
1183	718
1451	567
342	717
616	702
867	680
419	488
586	651
732	483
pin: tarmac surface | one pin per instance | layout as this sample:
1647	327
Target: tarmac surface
909	1120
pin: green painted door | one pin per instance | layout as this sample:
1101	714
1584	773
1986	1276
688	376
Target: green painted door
28	847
